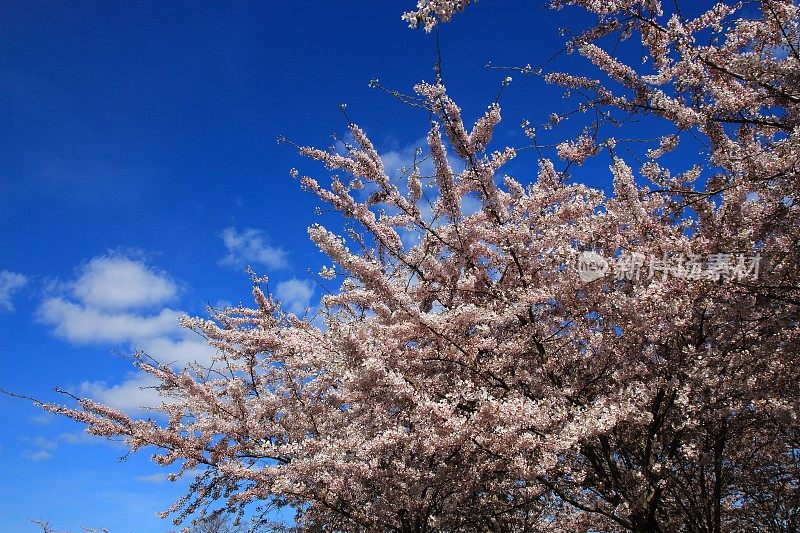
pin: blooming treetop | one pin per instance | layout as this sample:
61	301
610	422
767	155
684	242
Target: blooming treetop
468	378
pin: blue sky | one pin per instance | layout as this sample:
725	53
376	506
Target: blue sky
139	175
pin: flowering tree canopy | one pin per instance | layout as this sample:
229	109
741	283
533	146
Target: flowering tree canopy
467	375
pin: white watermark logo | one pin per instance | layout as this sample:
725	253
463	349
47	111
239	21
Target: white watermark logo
591	266
635	266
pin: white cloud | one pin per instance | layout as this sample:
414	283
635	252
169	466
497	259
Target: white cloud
133	395
81	324
249	248
137	392
179	352
117	283
400	162
295	295
10	282
109	304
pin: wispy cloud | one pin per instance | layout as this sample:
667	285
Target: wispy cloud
152	479
10	282
38	455
251	247
295	295
41	449
81	437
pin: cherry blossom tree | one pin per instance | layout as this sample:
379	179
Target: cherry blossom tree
464	373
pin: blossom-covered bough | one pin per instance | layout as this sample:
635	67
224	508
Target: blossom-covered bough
464	375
